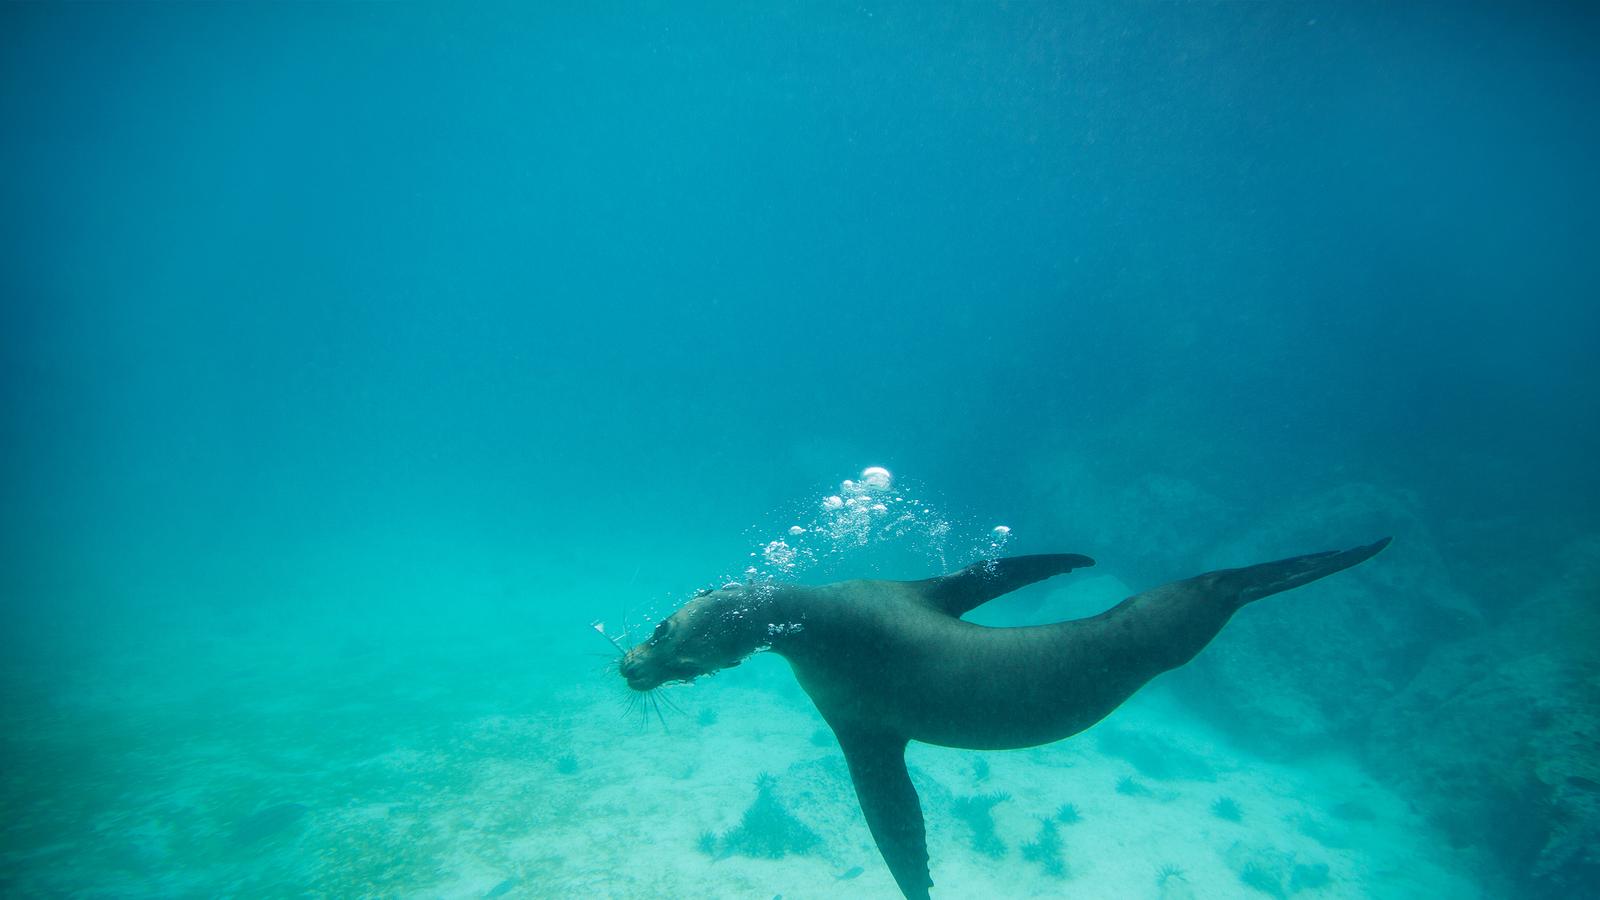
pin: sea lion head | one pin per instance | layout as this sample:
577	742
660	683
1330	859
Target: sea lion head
715	630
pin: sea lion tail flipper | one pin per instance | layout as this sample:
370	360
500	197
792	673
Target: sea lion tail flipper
889	801
977	584
1255	582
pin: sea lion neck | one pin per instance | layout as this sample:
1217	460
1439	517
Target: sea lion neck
781	612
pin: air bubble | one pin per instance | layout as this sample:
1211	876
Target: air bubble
867	511
876	478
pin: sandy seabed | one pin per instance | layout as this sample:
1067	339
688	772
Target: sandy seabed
477	772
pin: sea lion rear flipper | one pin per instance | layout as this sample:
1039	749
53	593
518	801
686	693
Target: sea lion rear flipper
1255	582
977	584
889	802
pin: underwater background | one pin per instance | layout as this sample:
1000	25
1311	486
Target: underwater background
358	358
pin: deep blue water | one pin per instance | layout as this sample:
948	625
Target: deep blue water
326	326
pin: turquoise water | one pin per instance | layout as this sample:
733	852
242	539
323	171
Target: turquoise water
359	358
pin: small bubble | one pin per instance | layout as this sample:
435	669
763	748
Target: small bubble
780	554
795	530
1002	530
832	503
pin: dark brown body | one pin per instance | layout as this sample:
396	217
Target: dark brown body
873	654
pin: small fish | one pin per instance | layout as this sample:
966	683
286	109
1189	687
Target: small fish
849	873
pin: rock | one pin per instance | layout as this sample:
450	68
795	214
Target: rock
1497	739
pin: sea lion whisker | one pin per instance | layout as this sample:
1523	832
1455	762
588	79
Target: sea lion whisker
633	704
668	702
642	707
655	704
600	629
627	625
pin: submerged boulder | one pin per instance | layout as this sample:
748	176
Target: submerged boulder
1497	739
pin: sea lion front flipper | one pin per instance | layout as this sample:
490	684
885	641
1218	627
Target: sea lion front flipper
889	802
977	584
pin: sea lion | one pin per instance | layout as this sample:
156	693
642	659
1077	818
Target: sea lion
887	662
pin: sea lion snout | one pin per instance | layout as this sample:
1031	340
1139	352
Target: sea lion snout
629	668
650	665
636	670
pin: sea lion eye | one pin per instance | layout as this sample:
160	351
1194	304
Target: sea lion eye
660	632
